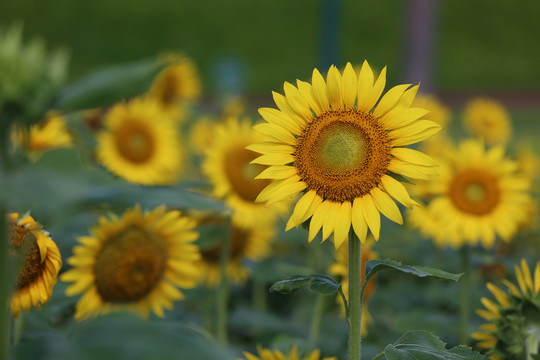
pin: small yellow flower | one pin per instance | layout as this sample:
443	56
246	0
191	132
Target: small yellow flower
41	263
135	262
140	143
265	354
513	331
337	143
488	120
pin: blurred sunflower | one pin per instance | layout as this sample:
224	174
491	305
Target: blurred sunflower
202	134
265	354
341	269
477	196
178	82
227	165
339	144
513	331
40	263
136	262
438	112
49	134
140	143
488	120
247	243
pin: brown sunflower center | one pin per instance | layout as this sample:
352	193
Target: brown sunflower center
241	174
130	265
343	154
475	192
239	239
169	89
135	143
25	249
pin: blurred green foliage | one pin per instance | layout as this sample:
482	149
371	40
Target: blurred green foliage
480	44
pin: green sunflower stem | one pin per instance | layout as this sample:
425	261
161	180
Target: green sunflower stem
223	291
532	342
464	307
260	290
316	320
355	296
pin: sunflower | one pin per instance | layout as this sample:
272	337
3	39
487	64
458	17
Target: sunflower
51	133
40	263
201	134
513	331
488	120
140	143
136	262
247	243
227	165
477	196
265	354
178	82
341	269
340	144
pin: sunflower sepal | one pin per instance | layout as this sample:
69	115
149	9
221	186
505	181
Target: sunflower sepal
400	178
319	284
423	345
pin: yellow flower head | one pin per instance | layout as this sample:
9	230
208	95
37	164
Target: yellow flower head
339	143
49	134
228	166
40	263
341	269
246	243
488	120
202	134
140	143
178	82
137	262
265	354
513	331
477	196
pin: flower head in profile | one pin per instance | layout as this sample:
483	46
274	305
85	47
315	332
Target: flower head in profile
49	134
246	243
177	82
136	262
340	144
140	143
228	166
477	197
341	269
513	328
265	354
488	120
40	263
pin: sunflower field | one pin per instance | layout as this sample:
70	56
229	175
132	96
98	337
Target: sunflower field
285	180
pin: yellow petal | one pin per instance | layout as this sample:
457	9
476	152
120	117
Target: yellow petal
297	103
527	275
386	205
412	170
372	216
377	90
513	289
274	159
306	90
333	88
287	191
491	306
343	224
331	217
365	84
520	279
277	172
389	100
279	118
317	220
302	207
319	90
271	148
537	278
413	156
358	220
397	191
400	118
276	133
499	295
349	86
413	135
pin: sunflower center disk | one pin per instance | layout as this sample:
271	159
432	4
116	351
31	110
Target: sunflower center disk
25	249
343	154
241	174
475	192
135	143
130	265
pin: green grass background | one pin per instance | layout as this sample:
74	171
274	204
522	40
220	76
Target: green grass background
481	44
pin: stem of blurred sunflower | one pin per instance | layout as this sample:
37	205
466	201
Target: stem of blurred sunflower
464	295
355	296
316	321
223	291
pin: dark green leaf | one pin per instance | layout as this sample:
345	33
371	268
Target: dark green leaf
422	345
107	86
374	266
318	284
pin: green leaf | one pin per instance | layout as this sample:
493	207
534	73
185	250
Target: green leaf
318	284
423	345
374	266
107	86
